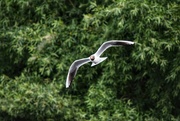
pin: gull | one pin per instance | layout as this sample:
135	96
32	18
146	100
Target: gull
94	58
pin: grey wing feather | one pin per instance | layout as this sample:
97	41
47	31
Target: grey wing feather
73	69
111	43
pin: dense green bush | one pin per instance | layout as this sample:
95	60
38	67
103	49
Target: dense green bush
40	39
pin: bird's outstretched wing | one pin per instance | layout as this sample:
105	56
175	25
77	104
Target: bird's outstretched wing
112	43
73	69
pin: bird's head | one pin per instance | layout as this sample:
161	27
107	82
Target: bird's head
92	57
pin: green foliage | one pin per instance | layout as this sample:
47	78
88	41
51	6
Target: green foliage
40	39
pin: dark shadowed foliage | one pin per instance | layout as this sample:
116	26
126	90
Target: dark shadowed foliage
40	39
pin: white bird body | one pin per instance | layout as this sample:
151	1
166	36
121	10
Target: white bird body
95	58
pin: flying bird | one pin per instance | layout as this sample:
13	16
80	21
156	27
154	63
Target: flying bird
94	58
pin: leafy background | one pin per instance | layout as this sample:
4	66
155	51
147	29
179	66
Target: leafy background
40	39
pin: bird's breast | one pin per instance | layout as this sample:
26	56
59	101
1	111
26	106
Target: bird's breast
96	60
